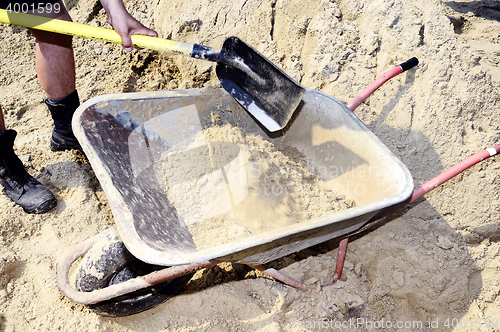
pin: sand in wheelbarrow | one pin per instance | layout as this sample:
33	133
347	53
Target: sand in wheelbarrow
228	185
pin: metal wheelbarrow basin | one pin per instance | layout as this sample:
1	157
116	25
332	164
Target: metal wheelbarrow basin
167	176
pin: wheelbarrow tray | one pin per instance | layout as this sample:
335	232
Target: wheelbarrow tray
125	136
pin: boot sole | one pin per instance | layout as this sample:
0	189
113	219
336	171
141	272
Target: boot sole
60	147
42	208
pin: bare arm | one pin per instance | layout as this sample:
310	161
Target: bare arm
124	23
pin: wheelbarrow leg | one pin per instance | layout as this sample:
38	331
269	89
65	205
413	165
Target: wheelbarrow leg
297	284
340	259
281	277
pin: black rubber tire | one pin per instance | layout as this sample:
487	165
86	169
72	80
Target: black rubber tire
108	262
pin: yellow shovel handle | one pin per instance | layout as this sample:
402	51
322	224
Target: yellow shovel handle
87	31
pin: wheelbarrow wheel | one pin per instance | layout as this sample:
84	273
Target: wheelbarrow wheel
108	262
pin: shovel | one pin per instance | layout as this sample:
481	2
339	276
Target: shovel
264	90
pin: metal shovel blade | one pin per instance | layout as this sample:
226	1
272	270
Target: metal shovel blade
263	89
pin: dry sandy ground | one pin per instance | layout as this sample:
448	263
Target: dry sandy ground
436	261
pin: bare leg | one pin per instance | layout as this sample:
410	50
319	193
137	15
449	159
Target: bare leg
55	64
55	67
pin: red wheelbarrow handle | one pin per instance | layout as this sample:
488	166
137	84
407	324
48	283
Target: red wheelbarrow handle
381	80
417	193
453	171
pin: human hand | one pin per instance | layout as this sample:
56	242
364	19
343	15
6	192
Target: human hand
124	24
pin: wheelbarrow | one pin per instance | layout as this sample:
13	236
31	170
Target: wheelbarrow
137	141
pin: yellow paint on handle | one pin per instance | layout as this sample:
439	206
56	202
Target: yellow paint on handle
87	31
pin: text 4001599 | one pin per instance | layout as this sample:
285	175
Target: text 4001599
39	8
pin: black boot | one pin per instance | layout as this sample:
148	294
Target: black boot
62	111
21	187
